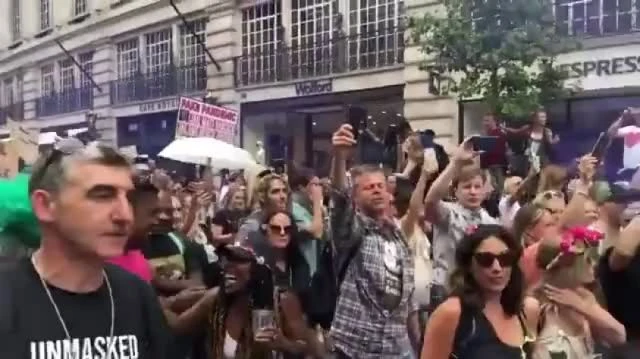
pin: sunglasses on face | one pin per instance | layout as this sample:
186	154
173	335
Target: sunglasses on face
280	229
486	259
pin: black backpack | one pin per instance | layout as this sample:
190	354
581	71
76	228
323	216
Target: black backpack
323	292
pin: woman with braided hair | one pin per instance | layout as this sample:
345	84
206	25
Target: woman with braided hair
230	321
248	287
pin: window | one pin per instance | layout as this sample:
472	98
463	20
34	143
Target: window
128	60
597	17
15	18
66	76
193	65
45	14
47	80
261	32
19	87
376	37
312	28
79	7
86	62
158	55
8	93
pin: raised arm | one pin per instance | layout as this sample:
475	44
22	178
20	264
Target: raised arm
440	187
342	212
429	169
612	131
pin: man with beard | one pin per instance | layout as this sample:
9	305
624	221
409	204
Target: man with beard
65	301
272	194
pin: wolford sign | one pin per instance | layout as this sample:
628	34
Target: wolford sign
314	87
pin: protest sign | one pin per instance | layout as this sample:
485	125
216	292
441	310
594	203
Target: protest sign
199	119
24	140
8	160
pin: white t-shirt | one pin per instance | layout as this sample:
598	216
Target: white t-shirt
507	213
631	156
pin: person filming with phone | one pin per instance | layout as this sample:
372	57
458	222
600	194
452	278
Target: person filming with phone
375	315
627	127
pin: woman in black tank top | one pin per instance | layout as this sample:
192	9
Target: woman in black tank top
486	316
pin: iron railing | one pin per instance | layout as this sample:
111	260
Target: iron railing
339	54
597	17
170	82
14	111
69	100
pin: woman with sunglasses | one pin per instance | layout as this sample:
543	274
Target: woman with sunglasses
486	315
291	278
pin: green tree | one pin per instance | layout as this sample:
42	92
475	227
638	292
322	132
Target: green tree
500	50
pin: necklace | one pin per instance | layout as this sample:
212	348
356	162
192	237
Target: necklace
59	315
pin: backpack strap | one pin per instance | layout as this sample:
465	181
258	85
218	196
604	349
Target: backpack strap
178	241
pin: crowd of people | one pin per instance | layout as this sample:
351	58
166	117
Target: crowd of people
435	259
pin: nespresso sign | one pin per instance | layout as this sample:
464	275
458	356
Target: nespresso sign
605	67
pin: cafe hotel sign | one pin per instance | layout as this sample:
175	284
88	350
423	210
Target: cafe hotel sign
602	67
159	106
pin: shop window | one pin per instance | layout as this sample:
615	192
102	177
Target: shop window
313	26
193	65
261	35
376	36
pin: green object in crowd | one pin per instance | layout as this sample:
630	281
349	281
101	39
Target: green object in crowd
18	224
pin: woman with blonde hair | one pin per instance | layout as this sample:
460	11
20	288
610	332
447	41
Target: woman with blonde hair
226	222
571	320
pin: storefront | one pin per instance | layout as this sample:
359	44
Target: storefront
298	128
149	126
607	81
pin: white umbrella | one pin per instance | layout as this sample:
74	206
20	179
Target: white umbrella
207	151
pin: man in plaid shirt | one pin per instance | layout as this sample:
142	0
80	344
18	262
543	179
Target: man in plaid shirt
375	314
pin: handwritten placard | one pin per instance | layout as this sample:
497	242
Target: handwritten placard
199	119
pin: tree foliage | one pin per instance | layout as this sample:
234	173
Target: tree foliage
501	50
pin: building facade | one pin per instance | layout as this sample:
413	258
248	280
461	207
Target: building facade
296	69
125	61
605	73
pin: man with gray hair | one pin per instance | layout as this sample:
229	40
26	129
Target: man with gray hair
64	301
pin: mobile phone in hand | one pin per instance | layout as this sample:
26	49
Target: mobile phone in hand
599	149
484	143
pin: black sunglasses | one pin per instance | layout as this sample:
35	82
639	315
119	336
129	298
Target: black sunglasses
62	148
280	229
486	259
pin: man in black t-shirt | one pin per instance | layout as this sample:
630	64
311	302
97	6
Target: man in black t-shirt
65	301
175	261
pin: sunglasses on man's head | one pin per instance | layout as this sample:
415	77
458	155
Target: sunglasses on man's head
552	194
486	259
280	229
62	148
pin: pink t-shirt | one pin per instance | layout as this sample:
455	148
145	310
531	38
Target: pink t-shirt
532	274
133	261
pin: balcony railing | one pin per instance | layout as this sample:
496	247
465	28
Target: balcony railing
170	82
69	100
312	59
14	111
597	17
